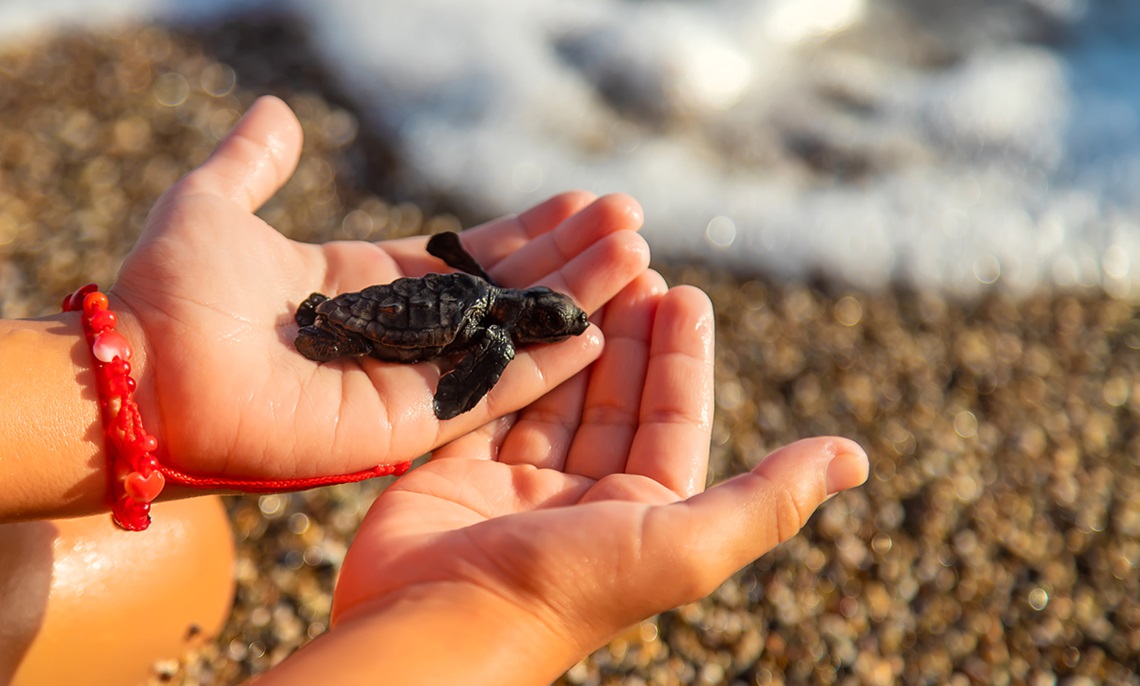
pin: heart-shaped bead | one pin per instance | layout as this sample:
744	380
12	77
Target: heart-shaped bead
144	489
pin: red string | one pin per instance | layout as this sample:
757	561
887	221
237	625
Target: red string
274	485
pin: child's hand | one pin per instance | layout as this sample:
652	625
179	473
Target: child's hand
549	530
208	296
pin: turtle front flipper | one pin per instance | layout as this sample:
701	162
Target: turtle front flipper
463	387
446	246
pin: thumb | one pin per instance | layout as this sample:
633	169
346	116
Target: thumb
253	161
715	533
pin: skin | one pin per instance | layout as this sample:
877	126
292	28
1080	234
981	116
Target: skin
567	505
111	603
207	298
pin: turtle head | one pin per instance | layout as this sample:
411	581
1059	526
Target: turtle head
547	317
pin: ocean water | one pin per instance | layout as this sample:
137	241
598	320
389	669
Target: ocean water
961	145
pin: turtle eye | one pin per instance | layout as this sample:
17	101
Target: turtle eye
557	319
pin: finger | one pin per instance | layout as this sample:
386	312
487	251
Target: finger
397	400
591	279
602	270
705	539
550	251
535	371
519	255
355	265
253	161
613	399
671	445
490	242
484	443
545	428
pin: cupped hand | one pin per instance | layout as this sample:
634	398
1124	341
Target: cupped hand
210	291
587	509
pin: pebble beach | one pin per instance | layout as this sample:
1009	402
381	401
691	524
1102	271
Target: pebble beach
996	541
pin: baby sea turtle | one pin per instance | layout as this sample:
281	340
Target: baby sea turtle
415	319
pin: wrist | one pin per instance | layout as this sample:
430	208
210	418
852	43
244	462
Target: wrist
434	633
135	475
142	357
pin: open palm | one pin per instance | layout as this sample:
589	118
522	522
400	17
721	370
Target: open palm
210	291
587	509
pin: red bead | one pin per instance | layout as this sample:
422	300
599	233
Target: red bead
120	386
109	345
147	443
137	476
74	301
131	514
101	320
148	464
119	367
93	302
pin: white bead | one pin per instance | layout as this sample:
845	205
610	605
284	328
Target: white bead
110	344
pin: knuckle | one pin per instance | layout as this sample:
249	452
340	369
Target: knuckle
609	414
788	516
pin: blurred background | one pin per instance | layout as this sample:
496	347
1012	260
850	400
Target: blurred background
916	220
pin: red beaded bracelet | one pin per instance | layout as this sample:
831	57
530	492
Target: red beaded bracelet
135	475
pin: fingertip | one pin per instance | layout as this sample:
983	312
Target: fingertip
272	120
594	339
735	522
620	254
652	283
566	204
634	307
828	463
273	106
624	206
551	212
691	298
693	306
684	324
254	159
848	467
637	248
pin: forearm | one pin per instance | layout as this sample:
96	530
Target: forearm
52	460
430	636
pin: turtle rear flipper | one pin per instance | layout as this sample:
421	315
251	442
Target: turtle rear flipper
446	246
307	310
322	345
463	387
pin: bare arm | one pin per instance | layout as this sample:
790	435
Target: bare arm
433	634
52	459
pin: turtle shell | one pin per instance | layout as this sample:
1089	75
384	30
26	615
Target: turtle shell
412	318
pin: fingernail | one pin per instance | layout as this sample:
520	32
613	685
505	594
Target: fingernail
847	469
